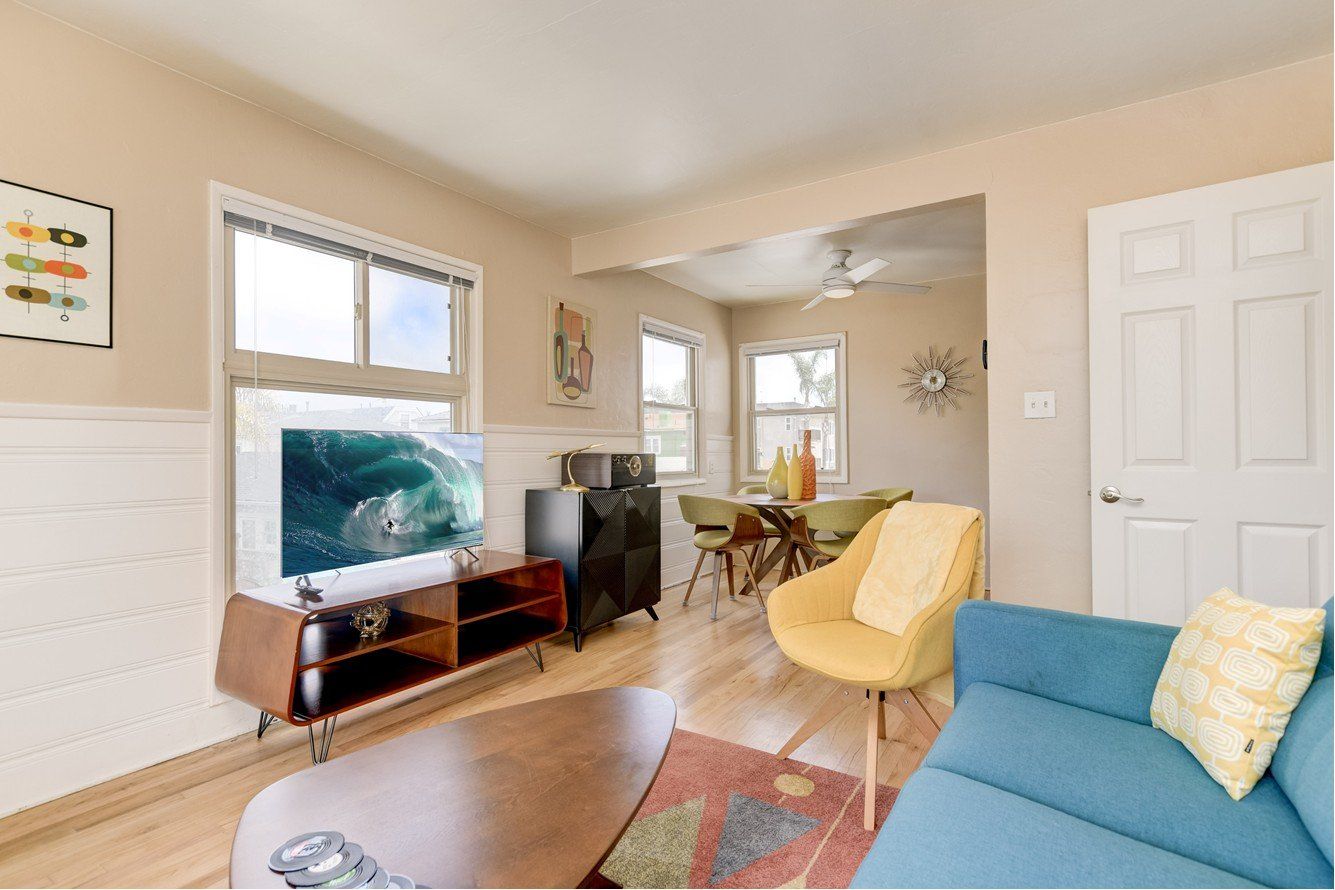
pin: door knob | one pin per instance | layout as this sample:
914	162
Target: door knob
1111	494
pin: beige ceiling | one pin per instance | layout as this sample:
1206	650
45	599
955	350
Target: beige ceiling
942	242
582	115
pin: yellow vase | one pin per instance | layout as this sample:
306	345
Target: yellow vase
776	483
794	476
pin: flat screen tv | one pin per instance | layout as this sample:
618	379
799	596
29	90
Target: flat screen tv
352	497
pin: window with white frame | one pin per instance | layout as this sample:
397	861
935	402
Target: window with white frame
670	383
790	386
329	329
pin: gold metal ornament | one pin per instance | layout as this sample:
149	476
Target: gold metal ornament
933	380
371	620
572	485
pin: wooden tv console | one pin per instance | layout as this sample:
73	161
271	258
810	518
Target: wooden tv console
298	658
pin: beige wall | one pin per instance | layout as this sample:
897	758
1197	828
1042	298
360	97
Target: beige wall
125	132
944	459
1039	184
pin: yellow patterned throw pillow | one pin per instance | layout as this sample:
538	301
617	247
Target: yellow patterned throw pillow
1235	673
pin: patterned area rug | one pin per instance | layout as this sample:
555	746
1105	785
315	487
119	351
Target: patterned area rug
724	815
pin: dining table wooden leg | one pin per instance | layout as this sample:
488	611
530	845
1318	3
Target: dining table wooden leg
776	556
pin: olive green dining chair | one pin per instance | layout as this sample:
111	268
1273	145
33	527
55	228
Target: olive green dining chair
847	515
891	496
724	529
770	530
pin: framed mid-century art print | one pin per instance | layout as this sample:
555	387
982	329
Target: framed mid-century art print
571	329
57	267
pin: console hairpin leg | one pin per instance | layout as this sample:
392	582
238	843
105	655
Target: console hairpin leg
326	739
537	658
266	720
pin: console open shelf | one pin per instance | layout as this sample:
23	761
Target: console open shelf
496	636
334	639
333	688
486	599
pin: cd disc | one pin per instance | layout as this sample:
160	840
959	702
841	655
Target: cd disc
379	880
317	875
305	850
401	882
357	877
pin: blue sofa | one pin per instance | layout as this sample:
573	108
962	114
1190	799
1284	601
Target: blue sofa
1048	773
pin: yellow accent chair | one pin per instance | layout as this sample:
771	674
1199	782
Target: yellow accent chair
847	516
811	617
724	529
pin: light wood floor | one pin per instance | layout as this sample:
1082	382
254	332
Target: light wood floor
171	825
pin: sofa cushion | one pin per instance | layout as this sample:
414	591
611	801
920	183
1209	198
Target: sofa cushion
1303	763
1128	778
949	831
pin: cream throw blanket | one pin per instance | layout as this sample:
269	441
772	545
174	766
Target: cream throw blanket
913	556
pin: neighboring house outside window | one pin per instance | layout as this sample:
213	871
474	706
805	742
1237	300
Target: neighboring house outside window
791	386
670	362
325	329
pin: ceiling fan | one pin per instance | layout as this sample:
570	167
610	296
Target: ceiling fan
840	281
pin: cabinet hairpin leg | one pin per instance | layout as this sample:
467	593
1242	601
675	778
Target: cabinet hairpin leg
536	654
326	739
266	720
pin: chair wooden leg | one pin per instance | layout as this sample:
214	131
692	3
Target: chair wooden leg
879	703
732	591
838	699
696	574
907	701
873	749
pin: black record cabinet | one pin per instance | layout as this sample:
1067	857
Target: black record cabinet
609	542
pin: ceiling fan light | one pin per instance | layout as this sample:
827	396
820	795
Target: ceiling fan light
839	291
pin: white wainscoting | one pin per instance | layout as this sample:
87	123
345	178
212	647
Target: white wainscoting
106	612
105	593
516	460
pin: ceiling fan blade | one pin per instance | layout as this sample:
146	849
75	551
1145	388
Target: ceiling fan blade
867	269
891	287
807	284
813	303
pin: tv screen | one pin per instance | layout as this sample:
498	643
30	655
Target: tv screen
353	497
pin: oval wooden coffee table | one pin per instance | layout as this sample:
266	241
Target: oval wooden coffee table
534	795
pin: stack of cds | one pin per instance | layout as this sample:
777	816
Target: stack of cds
325	859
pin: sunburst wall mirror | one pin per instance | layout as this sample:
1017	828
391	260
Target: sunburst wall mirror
934	380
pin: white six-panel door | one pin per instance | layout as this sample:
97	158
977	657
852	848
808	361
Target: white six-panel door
1210	396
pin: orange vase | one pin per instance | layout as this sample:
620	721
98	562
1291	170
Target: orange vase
808	467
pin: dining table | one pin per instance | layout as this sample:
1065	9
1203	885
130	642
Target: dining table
775	511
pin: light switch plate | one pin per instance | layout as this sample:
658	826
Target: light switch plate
1040	404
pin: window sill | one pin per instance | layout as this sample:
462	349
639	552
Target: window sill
820	480
681	481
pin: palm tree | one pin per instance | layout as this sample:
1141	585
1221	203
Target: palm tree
809	379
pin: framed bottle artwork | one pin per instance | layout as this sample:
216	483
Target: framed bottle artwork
571	365
55	276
